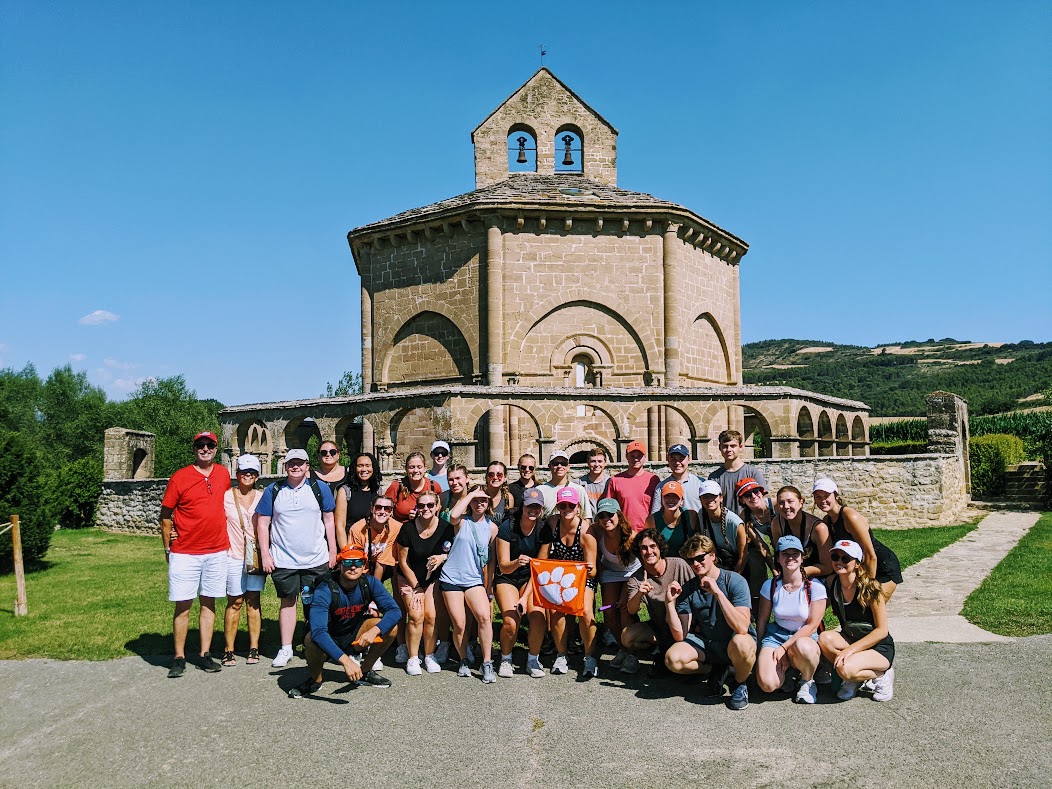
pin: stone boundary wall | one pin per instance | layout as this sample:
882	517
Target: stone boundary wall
893	491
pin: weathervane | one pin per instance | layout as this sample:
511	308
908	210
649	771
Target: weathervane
543	53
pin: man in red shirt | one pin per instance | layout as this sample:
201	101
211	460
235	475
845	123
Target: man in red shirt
197	550
634	488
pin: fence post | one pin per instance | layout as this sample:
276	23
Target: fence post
20	575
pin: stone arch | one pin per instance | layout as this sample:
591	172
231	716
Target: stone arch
664	425
858	436
843	438
349	433
518	150
138	463
412	430
757	432
583	446
574	423
433	347
826	446
705	355
805	430
522	433
253	438
576	146
299	430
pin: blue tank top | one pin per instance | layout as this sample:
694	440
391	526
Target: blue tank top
469	554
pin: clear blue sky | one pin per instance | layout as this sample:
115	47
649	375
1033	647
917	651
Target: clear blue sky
193	168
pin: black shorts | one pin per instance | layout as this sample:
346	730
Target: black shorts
888	567
447	587
518	580
289	583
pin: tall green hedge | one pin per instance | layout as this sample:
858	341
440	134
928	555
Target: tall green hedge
20	495
990	456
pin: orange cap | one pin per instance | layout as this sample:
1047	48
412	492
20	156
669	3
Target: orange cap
672	487
350	552
635	446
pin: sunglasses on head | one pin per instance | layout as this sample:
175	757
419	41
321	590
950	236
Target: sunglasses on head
328	452
348	564
205	445
843	558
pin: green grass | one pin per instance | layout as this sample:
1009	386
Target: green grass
1016	598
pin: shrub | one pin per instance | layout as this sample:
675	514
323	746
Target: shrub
990	456
898	447
71	491
19	495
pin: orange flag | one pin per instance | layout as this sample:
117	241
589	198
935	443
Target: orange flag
559	586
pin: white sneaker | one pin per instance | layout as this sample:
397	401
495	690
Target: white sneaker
884	686
412	667
808	693
591	667
506	669
533	666
282	658
608	639
619	659
402	655
432	665
848	690
559	666
378	665
442	652
464	670
631	665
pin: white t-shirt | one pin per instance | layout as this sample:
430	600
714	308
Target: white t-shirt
791	609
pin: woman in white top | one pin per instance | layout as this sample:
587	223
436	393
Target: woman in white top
791	640
614	535
240	504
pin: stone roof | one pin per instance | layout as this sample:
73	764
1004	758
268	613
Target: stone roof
559	192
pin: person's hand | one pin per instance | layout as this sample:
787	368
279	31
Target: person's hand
843	656
646	587
418	601
405	589
523	560
673	592
780	654
268	564
168	555
709	585
478	494
434	562
351	668
332	559
366	639
591	568
412	513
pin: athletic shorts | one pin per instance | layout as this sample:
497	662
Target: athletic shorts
775	635
238	581
446	587
289	583
713	651
196	574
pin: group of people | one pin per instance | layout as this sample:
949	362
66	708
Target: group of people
735	582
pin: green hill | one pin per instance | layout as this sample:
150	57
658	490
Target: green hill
894	378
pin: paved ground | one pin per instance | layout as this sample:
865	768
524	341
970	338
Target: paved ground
927	606
964	714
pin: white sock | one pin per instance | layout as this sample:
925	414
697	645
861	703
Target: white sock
287	646
506	658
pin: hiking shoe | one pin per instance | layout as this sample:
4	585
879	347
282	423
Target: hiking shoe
559	666
789	683
229	659
464	670
378	665
304	689
402	655
431	665
253	656
506	670
631	664
282	658
718	678
534	668
824	674
591	667
619	659
178	668
740	697
442	652
488	674
374	680
209	664
608	639
412	667
808	693
884	686
848	690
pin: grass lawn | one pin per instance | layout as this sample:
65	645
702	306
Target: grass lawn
1016	598
103	596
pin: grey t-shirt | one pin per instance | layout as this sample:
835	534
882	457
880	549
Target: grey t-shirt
706	616
729	482
677	570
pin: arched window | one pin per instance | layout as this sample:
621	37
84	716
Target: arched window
583	374
522	150
569	150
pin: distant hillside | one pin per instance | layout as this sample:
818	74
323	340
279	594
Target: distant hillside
894	378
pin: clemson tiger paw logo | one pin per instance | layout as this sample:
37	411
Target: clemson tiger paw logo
558	586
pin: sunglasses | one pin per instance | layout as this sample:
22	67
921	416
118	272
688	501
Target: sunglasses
752	494
247	472
697	559
426	505
604	516
295	463
495	474
349	564
383	508
439	453
527	468
205	445
559	462
565	505
329	453
841	558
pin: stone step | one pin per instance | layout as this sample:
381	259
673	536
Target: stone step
1002	504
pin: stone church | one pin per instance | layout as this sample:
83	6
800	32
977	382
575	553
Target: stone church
550	309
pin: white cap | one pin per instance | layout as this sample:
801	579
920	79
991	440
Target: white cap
711	487
826	485
438	444
296	454
558	454
248	463
852	549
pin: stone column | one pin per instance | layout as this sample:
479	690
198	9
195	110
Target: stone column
367	340
494	305
652	431
368	437
496	434
673	288
948	431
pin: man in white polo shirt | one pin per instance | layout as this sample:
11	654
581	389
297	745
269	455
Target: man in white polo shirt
297	539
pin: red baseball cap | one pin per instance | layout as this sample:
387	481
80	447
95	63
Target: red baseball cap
205	434
747	485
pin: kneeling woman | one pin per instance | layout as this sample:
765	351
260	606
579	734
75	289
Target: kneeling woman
519	539
863	650
466	578
791	641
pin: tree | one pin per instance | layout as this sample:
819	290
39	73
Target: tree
73	416
349	384
19	495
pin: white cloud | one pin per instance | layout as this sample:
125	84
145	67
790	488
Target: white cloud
113	364
78	357
126	385
97	318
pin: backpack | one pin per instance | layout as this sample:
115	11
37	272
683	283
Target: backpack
335	589
279	486
726	554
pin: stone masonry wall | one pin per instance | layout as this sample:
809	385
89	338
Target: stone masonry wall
131	506
710	288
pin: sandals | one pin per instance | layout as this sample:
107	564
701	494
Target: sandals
253	656
229	659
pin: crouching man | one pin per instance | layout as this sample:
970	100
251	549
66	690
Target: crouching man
353	620
709	619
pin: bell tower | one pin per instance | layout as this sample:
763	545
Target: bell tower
544	128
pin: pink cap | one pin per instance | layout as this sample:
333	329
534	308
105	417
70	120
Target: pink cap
567	494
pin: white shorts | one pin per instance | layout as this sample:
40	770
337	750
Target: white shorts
238	581
190	575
